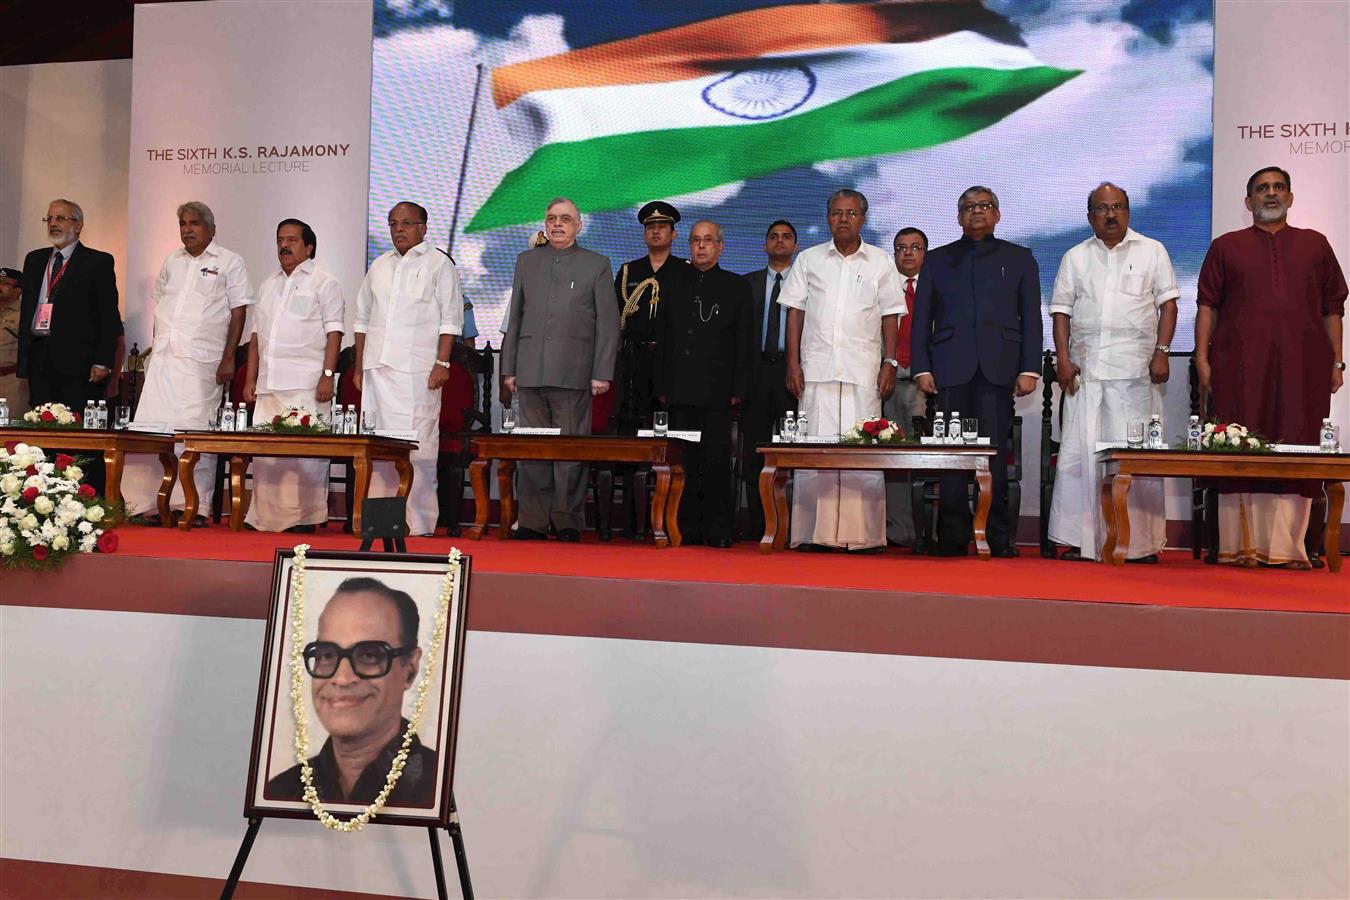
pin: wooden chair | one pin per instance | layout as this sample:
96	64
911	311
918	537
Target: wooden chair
603	421
233	394
1049	450
466	410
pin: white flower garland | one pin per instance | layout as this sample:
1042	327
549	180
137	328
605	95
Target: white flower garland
449	588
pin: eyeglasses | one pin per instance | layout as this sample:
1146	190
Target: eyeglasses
406	223
844	213
1102	208
914	248
982	206
369	659
57	220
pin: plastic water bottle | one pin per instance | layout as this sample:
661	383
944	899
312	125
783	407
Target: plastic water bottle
1326	441
939	427
954	427
241	417
103	414
1194	433
349	419
227	417
335	418
4	412
1155	432
789	426
803	427
89	413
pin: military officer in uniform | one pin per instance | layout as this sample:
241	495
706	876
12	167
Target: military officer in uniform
12	388
703	371
644	287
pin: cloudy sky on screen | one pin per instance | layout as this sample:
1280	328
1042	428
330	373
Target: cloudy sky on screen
1139	115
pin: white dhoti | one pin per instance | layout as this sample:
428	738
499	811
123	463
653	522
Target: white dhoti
400	401
838	509
1263	528
1100	411
183	393
287	492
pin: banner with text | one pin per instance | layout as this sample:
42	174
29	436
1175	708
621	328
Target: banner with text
261	110
1282	98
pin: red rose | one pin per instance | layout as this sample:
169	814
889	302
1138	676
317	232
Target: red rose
884	423
39	553
64	460
107	542
48	417
29	494
305	421
873	428
276	420
30	471
86	492
11	446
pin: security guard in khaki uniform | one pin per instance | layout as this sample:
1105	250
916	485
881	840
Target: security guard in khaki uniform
12	388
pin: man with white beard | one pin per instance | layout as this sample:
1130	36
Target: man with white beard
1114	310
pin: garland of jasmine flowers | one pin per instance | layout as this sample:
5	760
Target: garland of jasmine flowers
449	588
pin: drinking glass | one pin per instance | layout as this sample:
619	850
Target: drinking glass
660	422
970	429
508	419
123	417
213	423
1134	433
367	422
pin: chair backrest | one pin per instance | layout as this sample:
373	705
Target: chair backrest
240	373
602	414
466	399
346	392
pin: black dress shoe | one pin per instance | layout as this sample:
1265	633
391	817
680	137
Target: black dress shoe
941	549
813	548
1073	554
690	541
1008	552
1150	560
720	543
569	535
527	534
866	551
301	529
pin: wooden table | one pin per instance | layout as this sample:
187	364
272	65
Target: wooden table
1121	464
242	446
665	455
781	459
114	445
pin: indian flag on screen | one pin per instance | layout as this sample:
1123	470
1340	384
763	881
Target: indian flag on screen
743	95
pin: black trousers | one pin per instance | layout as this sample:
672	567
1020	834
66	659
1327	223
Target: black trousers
992	404
768	400
705	509
46	385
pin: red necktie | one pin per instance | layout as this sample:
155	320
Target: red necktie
906	323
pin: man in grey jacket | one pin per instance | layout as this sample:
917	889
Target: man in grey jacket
562	336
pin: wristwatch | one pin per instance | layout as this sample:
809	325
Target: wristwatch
1340	366
444	364
327	373
1162	348
892	362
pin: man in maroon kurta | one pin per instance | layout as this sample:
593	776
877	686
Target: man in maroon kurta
1268	348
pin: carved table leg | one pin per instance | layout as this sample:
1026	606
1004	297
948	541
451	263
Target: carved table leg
1335	503
506	490
984	480
112	474
478	479
1120	492
165	493
360	487
238	491
673	506
767	501
659	500
191	500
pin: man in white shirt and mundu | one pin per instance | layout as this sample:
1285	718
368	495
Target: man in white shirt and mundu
1114	310
844	307
295	337
408	313
200	299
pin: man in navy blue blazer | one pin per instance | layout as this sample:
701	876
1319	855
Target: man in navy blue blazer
975	341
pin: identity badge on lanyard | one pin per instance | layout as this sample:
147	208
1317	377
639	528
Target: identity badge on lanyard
42	322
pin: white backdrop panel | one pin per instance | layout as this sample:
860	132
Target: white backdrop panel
607	768
218	90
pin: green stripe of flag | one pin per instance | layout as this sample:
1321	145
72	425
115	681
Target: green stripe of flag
618	171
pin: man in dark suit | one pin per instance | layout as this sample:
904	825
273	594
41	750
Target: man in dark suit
68	323
702	372
769	396
976	341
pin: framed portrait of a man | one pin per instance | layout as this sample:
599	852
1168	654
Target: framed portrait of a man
359	693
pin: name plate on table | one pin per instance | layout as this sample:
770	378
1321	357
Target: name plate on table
152	427
544	431
811	439
928	440
396	434
1300	448
691	436
1124	445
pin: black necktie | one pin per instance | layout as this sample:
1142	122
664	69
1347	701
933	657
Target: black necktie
58	262
771	338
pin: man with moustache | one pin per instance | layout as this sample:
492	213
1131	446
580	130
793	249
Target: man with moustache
562	337
13	389
644	287
769	396
1268	348
703	372
409	311
363	660
68	322
844	305
200	299
976	341
1114	311
293	348
906	401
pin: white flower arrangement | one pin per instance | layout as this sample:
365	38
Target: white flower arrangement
874	431
1233	438
296	420
46	513
52	415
